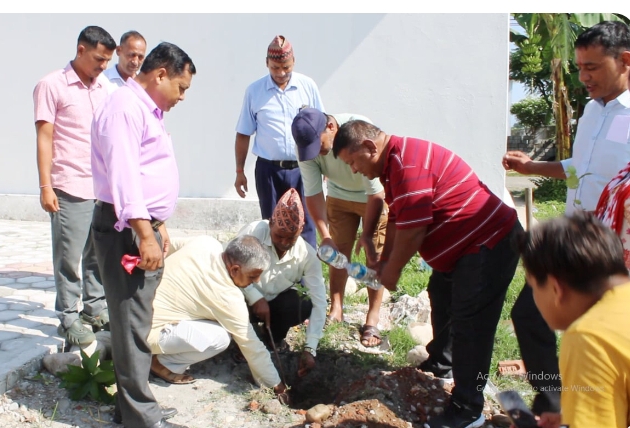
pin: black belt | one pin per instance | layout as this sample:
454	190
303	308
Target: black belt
155	224
284	164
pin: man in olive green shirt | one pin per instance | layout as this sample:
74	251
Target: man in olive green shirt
351	199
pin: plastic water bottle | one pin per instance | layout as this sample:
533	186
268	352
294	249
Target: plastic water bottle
331	256
364	275
424	266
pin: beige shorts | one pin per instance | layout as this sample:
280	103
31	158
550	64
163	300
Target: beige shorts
344	218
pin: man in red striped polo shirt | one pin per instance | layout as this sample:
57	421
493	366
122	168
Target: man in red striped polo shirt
439	208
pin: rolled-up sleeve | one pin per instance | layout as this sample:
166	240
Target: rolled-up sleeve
313	280
311	177
566	163
246	124
44	100
120	138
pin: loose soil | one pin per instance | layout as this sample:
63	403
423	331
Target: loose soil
359	394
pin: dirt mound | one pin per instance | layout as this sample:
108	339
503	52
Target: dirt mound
411	394
365	413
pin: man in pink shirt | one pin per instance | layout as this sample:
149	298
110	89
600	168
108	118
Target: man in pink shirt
65	101
136	183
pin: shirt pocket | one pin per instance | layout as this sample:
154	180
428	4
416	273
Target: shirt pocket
609	157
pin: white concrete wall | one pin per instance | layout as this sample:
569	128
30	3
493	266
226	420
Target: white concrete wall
442	77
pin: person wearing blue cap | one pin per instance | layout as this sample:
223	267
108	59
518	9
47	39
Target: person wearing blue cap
350	200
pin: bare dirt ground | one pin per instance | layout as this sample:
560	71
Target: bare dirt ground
224	395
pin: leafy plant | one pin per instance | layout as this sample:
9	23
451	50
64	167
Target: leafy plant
532	113
573	182
302	291
549	189
90	379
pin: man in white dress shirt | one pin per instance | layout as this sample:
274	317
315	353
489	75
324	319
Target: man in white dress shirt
131	52
601	149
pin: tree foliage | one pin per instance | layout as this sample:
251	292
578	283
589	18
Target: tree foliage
532	113
544	62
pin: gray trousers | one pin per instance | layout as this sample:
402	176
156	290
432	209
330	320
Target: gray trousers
130	302
72	247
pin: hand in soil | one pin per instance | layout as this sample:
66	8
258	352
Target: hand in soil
306	364
283	395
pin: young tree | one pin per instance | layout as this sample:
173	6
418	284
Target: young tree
532	113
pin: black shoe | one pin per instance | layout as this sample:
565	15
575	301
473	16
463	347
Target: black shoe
444	374
163	423
167	413
457	416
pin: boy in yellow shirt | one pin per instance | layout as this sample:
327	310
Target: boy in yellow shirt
575	266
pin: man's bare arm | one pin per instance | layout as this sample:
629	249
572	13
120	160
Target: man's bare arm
47	197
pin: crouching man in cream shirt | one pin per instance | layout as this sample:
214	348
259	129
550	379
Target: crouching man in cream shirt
199	306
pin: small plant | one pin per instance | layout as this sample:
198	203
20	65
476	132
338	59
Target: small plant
549	189
302	291
573	182
90	379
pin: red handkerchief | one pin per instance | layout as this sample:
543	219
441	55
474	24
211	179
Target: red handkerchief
129	262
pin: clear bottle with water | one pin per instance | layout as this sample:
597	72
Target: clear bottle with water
364	275
332	257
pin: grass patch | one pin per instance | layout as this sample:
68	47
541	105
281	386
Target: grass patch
401	343
414	279
548	209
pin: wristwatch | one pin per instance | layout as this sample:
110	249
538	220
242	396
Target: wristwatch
310	351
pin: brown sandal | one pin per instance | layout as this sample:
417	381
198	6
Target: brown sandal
158	370
368	332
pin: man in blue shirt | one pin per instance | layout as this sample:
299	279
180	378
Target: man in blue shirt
269	106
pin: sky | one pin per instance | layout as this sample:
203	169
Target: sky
518	89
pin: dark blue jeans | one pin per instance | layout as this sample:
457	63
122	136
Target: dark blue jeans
466	306
272	182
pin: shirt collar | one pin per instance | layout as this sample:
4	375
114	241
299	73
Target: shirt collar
145	98
73	78
393	141
623	99
272	85
112	73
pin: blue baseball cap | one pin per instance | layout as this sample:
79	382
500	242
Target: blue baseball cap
307	129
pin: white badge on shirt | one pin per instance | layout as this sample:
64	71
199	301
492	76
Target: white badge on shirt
618	131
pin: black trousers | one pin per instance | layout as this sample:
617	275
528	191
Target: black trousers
286	310
538	350
271	183
466	306
130	303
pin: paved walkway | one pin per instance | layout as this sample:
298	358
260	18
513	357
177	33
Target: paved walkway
28	323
